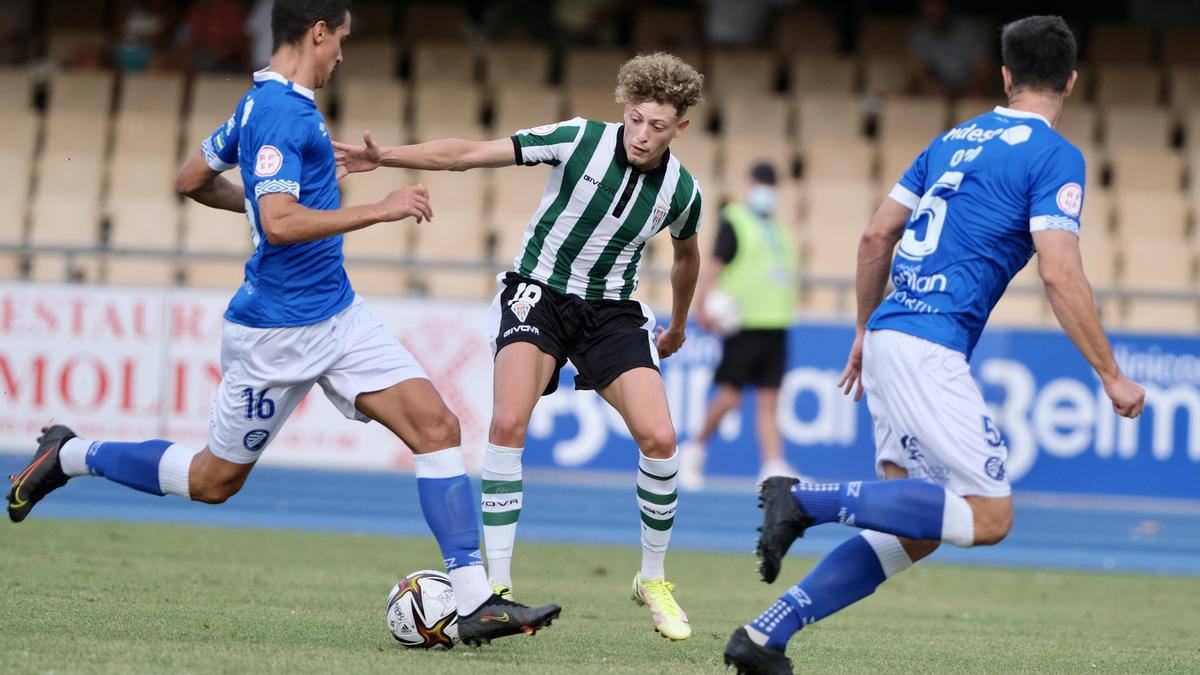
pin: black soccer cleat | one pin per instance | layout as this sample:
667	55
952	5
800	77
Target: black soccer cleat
42	476
498	617
784	521
748	658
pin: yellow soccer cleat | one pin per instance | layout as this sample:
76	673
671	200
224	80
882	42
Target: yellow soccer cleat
502	591
669	620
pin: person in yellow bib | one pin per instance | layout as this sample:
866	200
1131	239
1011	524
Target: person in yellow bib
748	292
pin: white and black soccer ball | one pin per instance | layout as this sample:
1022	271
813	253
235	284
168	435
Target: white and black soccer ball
724	312
421	612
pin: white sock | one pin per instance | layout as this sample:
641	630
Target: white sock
958	521
73	457
657	500
470	588
502	497
892	556
173	470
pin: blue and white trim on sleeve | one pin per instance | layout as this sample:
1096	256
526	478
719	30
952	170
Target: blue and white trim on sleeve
268	187
1041	223
210	157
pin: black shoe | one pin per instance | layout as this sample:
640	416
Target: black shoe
748	658
784	521
497	618
42	476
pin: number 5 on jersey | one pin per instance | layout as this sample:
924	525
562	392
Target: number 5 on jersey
935	207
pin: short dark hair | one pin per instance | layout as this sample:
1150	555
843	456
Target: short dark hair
1039	52
291	19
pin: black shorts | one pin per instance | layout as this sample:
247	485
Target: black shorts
755	357
602	338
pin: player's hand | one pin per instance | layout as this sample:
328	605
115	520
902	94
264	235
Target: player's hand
852	375
668	340
355	158
411	201
1128	397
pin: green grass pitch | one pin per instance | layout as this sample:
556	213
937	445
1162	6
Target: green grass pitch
114	597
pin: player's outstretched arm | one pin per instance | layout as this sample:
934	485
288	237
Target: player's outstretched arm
285	221
870	280
1061	268
198	181
685	270
448	154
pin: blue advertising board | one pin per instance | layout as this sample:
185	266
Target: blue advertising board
1062	433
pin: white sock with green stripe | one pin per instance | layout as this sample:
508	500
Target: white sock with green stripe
657	498
501	499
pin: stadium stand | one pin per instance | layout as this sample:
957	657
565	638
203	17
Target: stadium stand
840	125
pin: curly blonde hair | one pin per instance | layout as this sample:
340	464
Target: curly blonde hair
662	78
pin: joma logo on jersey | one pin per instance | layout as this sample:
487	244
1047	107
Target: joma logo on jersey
524	300
599	185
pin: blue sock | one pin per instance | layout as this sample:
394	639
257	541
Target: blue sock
131	464
849	573
906	508
449	505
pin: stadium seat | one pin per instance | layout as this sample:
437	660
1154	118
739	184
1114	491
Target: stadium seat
846	160
1097	216
594	104
215	97
1183	87
1120	43
14	194
522	64
74	134
894	159
971	107
517	193
1158	264
207	230
1126	126
84	92
830	117
152	93
146	135
443	63
733	74
441	110
143	224
834	217
1181	46
1079	123
56	221
697	150
823	74
805	31
16	89
592	68
22	132
444	21
911	119
662	28
371	99
65	46
740	153
141	178
1146	167
1128	84
884	76
384	240
457	233
756	115
374	59
1024	302
523	106
1160	214
884	36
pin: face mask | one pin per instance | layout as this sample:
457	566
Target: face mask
761	199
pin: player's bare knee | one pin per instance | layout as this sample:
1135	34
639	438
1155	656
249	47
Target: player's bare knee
507	429
918	549
438	432
658	444
214	491
992	525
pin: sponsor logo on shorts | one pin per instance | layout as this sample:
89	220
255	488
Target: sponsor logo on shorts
523	328
256	439
524	300
994	466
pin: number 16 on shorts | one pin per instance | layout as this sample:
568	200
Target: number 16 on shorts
259	407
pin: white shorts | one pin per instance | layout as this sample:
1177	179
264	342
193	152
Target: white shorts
266	372
930	417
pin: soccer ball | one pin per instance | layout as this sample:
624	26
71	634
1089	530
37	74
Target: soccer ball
723	310
421	612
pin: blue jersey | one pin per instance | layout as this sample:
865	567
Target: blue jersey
977	194
278	139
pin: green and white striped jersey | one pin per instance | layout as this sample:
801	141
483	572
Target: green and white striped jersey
598	210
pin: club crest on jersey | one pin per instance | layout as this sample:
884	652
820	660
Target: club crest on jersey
543	130
660	214
524	300
1070	199
269	162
